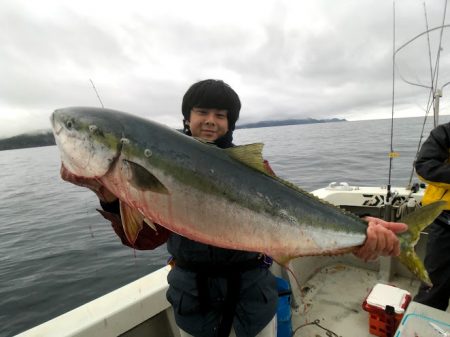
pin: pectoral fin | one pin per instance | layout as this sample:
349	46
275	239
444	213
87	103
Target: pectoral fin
140	178
132	222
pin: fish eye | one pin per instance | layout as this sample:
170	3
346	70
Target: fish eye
69	124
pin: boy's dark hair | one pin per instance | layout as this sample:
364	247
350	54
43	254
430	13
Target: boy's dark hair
211	94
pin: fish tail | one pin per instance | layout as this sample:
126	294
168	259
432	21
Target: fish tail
417	221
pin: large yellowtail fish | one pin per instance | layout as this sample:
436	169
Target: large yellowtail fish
221	197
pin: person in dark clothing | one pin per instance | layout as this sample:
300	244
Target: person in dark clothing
217	292
433	167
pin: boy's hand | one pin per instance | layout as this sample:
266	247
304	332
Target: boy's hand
93	184
381	239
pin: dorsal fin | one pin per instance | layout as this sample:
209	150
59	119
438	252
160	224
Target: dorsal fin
250	155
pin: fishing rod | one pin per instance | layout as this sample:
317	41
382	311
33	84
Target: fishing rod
96	92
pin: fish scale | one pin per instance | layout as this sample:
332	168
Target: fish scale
222	197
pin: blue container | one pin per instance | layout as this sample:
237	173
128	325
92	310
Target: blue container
284	323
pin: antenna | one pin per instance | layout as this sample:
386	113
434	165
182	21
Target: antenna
435	93
392	153
96	92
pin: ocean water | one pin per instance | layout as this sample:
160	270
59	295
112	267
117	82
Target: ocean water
57	252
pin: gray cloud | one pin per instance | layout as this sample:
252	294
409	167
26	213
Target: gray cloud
318	59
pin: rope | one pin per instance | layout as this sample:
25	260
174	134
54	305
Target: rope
405	207
316	322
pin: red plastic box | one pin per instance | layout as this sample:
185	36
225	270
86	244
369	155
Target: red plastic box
386	305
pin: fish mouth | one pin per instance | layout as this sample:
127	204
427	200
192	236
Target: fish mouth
56	126
87	149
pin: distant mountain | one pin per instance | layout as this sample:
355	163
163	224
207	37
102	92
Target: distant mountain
46	138
28	140
264	124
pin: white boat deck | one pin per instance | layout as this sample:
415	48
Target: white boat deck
334	296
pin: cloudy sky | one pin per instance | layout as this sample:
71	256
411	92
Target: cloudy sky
286	59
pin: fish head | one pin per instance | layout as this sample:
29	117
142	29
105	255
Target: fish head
89	141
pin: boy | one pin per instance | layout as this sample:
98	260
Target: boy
216	291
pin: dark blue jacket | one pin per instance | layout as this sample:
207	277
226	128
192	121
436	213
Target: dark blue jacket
256	302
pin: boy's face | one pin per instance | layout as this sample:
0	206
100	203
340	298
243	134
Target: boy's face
208	124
